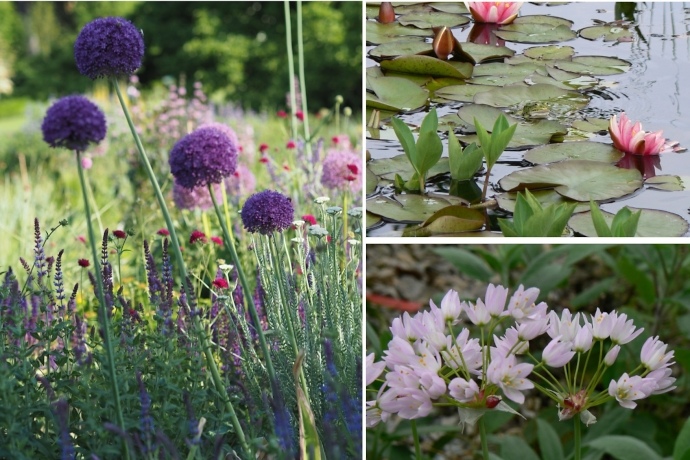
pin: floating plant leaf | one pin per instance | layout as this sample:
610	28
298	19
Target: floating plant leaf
518	94
461	93
652	223
419	80
457	8
373	220
481	52
580	180
591	125
426	65
546	197
594	65
610	32
372	182
537	29
550	52
427	20
438	83
585	150
500	68
449	220
378	33
374	102
400	48
497	80
665	182
387	168
407	208
398	92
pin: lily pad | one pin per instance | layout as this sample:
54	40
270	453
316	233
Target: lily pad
397	93
550	52
498	80
595	151
461	93
537	29
669	182
591	125
579	180
373	220
482	53
500	68
387	168
527	134
594	65
546	197
427	20
449	220
609	32
457	8
653	223
517	94
426	65
372	182
378	33
406	208
400	48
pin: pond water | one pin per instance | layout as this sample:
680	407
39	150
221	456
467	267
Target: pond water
654	91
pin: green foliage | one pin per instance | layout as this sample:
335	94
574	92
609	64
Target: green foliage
495	143
624	223
426	152
464	163
532	219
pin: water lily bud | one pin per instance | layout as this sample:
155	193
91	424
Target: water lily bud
612	355
386	13
443	42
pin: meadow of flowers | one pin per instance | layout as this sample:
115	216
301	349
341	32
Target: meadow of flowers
194	289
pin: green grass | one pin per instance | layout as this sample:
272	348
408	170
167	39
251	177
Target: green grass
12	124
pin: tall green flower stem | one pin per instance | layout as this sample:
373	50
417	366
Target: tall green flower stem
201	335
291	70
102	312
577	440
482	437
230	246
415	436
303	85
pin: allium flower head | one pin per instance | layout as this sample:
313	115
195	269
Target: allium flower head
108	47
73	122
203	157
341	171
267	212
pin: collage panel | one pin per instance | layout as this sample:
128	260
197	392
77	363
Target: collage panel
527	351
527	119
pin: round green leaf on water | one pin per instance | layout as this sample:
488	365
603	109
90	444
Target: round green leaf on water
427	65
610	32
400	48
546	197
372	220
542	19
427	20
537	29
406	208
378	33
653	223
398	92
579	180
595	151
481	52
511	95
387	168
449	220
669	183
591	125
461	93
372	182
500	68
550	52
455	7
594	65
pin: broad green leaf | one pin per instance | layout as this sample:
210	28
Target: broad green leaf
466	262
406	140
515	448
652	223
545	197
624	448
609	32
457	8
427	65
400	48
514	95
549	442
378	33
594	65
427	20
429	151
407	208
398	92
535	33
585	150
372	182
464	164
579	180
482	53
461	93
682	445
549	52
598	221
665	182
372	220
449	220
387	168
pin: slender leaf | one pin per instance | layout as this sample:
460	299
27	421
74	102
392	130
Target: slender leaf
598	221
549	442
625	448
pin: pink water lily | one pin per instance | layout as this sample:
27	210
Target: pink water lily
630	138
494	12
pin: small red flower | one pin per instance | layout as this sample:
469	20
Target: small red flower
300	115
335	140
286	167
236	174
353	169
263	148
81	239
220	283
281	114
240	148
291	144
197	236
83	263
263	160
163	232
120	234
350	178
328	238
218	240
308	218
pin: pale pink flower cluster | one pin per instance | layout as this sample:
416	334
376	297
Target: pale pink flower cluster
432	358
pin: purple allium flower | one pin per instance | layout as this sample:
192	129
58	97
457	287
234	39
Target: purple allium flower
194	198
108	47
203	157
73	122
266	212
224	128
242	182
342	171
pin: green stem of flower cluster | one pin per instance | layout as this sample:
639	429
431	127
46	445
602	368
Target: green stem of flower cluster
415	436
102	312
482	437
205	343
577	439
291	70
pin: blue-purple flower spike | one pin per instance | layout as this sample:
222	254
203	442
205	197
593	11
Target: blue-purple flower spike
73	122
203	157
267	212
108	47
